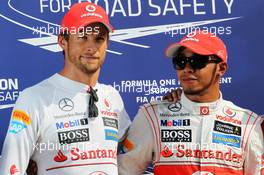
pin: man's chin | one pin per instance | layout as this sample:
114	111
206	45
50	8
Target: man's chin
191	91
90	70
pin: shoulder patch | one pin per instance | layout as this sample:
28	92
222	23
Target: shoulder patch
21	116
19	121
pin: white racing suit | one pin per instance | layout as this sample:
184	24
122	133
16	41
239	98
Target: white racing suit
50	125
187	138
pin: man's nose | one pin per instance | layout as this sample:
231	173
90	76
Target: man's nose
90	47
91	50
188	68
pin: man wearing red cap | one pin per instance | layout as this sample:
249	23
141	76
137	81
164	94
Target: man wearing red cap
202	133
69	123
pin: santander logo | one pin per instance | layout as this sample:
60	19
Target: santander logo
76	154
60	157
166	152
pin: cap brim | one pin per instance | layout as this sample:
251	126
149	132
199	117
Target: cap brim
172	50
107	25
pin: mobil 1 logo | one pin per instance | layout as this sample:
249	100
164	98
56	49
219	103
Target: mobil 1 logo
71	123
176	135
73	136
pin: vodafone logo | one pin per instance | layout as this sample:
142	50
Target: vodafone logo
90	8
60	157
229	119
108	108
202	173
229	112
107	104
204	110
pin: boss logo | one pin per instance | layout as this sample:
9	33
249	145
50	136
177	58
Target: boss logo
80	135
177	135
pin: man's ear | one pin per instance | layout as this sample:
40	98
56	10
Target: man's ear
62	42
222	69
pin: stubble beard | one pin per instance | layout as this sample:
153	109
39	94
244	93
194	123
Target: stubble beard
202	90
87	69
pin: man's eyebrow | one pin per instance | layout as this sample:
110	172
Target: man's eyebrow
102	34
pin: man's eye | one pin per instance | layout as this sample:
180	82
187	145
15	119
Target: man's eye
82	37
100	38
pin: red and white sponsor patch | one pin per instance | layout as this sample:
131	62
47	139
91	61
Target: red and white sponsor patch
13	170
204	110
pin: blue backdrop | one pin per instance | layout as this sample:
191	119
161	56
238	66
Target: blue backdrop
135	60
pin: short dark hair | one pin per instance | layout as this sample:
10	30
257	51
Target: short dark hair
180	50
66	36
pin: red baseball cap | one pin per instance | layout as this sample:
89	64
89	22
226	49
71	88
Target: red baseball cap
83	14
202	43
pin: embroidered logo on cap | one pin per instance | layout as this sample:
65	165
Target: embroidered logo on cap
90	8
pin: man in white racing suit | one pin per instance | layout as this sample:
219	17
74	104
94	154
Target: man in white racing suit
69	123
202	134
